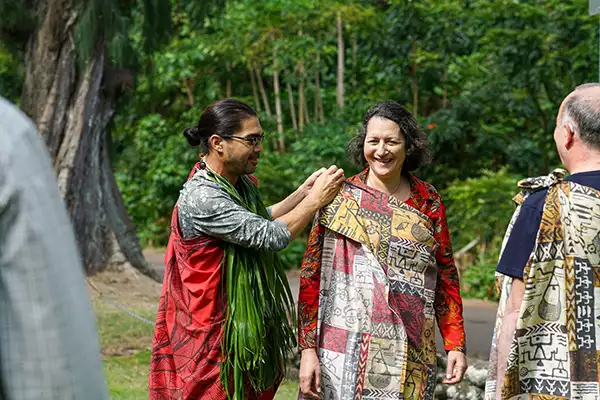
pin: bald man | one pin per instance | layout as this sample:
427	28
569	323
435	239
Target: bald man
547	337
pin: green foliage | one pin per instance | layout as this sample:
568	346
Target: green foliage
486	77
291	257
318	146
101	19
478	281
18	19
154	163
480	208
489	77
11	75
257	334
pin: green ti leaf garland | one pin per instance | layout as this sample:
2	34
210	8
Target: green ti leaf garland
258	335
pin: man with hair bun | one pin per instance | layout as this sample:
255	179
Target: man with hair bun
223	325
546	338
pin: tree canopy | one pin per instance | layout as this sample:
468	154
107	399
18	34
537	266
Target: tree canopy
485	79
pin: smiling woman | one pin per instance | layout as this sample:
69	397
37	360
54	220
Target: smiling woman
415	140
382	249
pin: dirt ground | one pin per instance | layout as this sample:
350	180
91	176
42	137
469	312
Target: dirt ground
131	290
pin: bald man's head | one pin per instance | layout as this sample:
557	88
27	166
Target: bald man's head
581	108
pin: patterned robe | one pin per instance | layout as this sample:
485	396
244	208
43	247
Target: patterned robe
555	352
376	274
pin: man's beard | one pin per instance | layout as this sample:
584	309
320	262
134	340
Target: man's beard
250	166
239	167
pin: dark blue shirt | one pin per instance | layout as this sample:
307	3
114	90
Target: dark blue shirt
522	239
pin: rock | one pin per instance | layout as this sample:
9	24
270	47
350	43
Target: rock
477	373
464	391
441	392
471	388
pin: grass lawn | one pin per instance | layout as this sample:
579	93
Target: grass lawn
126	345
287	391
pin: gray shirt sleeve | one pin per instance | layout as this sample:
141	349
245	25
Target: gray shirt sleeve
48	340
206	208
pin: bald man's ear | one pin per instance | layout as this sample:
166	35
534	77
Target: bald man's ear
570	135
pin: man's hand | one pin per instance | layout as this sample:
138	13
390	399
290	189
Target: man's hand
310	181
326	186
457	366
310	374
323	190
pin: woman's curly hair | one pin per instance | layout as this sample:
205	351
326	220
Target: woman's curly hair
417	149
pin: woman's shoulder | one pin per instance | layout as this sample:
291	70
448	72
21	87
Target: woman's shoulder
361	177
425	189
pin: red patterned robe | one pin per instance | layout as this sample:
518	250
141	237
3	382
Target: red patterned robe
391	317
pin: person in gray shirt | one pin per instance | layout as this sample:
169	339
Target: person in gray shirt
221	261
48	342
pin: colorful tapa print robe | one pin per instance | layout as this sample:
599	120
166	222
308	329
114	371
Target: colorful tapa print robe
555	351
186	351
371	289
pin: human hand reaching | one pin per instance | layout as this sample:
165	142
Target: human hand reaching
326	186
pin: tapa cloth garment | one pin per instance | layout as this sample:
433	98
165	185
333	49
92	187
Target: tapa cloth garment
554	352
378	277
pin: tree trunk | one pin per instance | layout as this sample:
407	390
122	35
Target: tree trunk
189	89
340	62
306	116
536	101
263	93
354	54
254	90
71	109
228	84
316	101
278	116
292	106
415	82
301	101
445	88
319	113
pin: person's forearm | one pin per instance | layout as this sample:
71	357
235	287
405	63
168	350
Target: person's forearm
297	219
288	204
507	332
